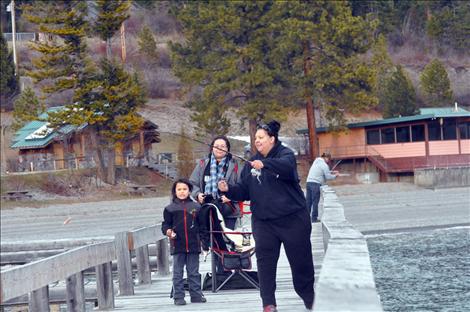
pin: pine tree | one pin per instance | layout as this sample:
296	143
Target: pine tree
148	45
321	47
231	58
383	66
209	117
107	101
27	108
185	164
111	15
63	55
399	95
436	84
8	79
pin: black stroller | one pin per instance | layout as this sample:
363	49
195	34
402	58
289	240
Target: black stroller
234	247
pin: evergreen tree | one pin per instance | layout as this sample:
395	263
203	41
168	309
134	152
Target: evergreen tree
111	15
383	66
399	95
185	164
209	116
27	108
321	46
436	84
231	58
148	45
108	102
63	55
256	59
449	24
8	79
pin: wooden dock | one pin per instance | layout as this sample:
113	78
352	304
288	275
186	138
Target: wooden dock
155	297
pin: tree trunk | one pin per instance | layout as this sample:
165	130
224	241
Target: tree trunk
111	168
3	147
252	126
312	130
108	49
98	155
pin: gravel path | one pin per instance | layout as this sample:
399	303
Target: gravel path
85	220
372	207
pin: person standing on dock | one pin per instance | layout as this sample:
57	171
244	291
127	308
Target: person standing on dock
279	215
317	175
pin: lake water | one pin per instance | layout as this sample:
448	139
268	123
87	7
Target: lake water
422	270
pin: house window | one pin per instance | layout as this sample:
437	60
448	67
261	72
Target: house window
388	135
403	134
417	133
464	129
434	131
449	129
373	136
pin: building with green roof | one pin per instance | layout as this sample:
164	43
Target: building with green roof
44	148
395	147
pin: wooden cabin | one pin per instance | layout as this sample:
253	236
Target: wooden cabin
435	138
42	148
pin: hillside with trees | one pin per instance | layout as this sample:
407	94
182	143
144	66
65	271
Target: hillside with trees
223	66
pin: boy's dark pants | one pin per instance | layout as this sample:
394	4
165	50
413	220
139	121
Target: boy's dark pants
191	260
294	232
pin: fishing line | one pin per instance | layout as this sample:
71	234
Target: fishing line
208	144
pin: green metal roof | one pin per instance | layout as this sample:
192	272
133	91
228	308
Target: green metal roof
424	113
25	138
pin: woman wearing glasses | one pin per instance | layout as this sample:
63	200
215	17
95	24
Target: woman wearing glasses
219	164
279	215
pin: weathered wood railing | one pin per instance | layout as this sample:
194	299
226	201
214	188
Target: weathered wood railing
34	278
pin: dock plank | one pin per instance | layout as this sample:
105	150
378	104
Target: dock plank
155	297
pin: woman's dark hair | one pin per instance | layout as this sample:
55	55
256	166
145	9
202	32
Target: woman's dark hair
181	180
272	128
220	137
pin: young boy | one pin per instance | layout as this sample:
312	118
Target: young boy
181	225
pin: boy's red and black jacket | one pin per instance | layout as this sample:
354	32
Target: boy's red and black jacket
182	218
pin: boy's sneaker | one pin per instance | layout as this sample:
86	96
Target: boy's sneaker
180	301
198	299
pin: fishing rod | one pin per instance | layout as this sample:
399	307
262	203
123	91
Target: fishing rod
336	165
254	172
208	144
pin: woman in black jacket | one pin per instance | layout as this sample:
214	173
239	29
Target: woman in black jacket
270	181
181	225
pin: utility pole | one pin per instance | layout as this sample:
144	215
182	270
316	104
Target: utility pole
13	34
123	43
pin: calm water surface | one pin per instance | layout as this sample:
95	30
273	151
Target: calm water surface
422	271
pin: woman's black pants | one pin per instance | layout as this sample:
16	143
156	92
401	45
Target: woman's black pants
293	231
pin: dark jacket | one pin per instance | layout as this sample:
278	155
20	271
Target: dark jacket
232	175
182	218
279	193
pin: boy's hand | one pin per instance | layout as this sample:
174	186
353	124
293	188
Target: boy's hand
200	198
171	234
